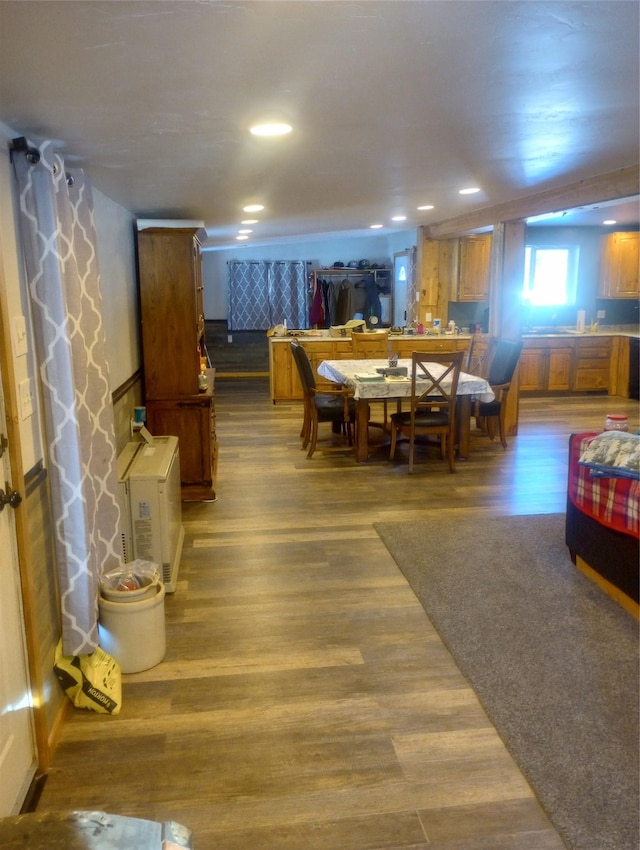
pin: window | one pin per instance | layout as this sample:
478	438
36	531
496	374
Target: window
550	275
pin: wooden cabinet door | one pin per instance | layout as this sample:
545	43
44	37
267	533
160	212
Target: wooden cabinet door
191	421
593	361
319	351
532	370
171	310
620	274
440	344
473	272
283	374
559	369
342	350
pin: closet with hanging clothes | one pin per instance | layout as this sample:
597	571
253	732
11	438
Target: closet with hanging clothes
340	294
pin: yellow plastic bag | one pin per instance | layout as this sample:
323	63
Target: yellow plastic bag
90	681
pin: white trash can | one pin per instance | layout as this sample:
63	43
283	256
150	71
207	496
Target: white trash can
133	632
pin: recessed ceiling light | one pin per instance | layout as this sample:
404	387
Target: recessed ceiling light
399	218
426	207
245	230
249	221
241	238
610	221
376	226
253	208
471	191
273	128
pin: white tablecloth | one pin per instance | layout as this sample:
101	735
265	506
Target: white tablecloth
348	372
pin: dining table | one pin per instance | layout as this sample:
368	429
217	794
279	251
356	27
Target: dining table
367	382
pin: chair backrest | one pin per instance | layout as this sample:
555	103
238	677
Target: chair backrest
434	379
504	361
370	346
479	355
305	369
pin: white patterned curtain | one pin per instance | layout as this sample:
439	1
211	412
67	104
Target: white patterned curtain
58	238
263	293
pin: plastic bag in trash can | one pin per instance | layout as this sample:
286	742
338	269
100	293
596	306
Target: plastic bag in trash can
132	576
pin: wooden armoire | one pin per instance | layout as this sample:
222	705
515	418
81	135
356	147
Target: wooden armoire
173	350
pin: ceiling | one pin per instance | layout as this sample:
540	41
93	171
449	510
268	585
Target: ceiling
394	104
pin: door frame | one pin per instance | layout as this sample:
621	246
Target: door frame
23	545
397	257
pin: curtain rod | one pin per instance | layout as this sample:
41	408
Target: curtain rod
20	145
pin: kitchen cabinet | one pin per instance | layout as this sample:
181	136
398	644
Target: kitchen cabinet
171	310
192	420
172	324
619	274
557	364
443	344
592	363
545	365
473	268
284	382
283	376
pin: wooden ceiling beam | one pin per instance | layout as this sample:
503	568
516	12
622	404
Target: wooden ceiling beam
623	183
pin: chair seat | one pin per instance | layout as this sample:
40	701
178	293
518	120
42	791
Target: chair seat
331	407
489	408
433	417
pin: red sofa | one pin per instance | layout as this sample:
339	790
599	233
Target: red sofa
602	524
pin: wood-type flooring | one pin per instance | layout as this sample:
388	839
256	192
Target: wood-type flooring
305	700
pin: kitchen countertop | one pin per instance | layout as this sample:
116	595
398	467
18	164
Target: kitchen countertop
560	333
564	334
324	334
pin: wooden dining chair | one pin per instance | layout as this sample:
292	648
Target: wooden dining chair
433	404
479	355
335	406
373	346
370	346
503	366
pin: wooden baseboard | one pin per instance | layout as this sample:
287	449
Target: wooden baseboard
44	758
611	590
58	723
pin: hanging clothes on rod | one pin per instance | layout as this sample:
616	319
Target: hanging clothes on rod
338	295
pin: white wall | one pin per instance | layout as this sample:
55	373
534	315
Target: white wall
375	248
16	299
116	260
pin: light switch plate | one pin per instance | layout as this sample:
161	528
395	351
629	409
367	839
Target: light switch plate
600	314
19	336
26	398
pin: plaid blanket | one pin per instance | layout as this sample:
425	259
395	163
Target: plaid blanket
614	502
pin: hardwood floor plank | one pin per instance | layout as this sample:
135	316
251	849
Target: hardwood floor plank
305	700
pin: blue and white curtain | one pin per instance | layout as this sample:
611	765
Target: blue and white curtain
58	238
263	293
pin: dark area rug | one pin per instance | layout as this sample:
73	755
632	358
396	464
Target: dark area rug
553	660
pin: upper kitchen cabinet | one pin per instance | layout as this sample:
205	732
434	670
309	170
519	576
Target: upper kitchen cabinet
473	268
171	310
619	269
